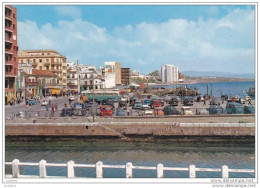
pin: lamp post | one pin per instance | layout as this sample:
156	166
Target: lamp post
78	78
93	114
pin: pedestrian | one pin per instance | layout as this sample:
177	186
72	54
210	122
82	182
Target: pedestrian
204	103
56	107
47	108
52	110
249	102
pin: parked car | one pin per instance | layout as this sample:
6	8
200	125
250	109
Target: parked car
106	110
215	109
108	102
137	105
249	109
122	104
186	111
174	101
170	110
145	111
31	102
79	112
66	112
147	102
158	111
90	105
44	103
215	101
79	105
120	112
72	98
202	111
156	103
234	108
188	102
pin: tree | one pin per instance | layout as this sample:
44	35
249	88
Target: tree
154	73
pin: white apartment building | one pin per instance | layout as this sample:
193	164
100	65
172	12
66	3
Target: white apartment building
112	74
169	73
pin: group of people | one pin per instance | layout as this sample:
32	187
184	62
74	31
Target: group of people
53	107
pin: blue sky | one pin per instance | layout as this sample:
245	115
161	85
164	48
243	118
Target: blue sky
201	38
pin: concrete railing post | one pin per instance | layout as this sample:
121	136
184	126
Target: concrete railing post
42	169
160	171
99	169
70	169
224	170
15	168
192	172
129	170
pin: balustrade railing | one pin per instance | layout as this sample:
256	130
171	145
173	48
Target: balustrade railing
129	167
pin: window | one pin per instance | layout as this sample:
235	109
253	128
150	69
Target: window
6	83
40	60
34	61
42	53
21	60
48	68
13	26
47	60
40	67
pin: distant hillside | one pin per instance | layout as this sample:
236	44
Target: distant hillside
217	74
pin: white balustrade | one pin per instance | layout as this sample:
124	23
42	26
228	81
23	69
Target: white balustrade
224	170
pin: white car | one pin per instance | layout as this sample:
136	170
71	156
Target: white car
44	103
186	111
72	98
145	111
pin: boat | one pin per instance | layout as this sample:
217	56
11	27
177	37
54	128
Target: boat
251	91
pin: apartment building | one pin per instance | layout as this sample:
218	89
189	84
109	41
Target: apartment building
11	48
112	74
169	73
125	76
49	60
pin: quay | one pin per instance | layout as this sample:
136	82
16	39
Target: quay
99	166
187	129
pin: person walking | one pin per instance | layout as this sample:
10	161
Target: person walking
52	110
204	102
249	102
56	106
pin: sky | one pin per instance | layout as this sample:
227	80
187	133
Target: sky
194	38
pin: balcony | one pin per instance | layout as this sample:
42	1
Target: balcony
8	28
8	17
47	64
31	84
56	63
9	63
56	71
34	64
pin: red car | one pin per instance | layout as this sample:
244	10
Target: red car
105	110
156	103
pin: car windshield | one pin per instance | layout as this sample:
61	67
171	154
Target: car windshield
106	108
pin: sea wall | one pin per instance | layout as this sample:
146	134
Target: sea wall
128	129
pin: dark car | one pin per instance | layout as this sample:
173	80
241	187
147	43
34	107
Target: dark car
170	110
249	109
90	105
108	102
66	112
174	101
215	109
120	112
122	104
188	102
234	108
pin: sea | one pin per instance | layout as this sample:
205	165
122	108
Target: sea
140	154
218	88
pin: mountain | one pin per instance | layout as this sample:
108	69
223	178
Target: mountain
217	74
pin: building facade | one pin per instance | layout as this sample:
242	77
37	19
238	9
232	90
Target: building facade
169	73
49	60
112	74
11	48
125	76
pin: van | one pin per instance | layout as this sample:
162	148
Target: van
234	108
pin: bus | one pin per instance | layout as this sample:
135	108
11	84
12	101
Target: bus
102	94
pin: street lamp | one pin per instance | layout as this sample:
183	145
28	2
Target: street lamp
93	99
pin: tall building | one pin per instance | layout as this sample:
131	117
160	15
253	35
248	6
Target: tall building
112	74
11	48
169	73
125	76
46	60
